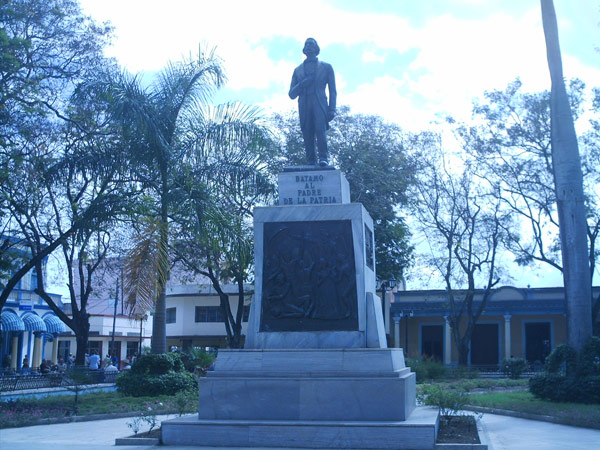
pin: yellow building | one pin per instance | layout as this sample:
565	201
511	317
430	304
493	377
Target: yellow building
516	322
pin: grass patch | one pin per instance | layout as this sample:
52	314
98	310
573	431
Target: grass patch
476	383
570	413
29	411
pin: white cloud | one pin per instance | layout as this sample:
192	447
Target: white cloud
370	56
456	59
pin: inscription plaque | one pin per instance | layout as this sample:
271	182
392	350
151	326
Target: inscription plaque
309	277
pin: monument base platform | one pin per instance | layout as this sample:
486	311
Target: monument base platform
307	398
419	431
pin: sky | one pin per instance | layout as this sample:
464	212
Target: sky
409	61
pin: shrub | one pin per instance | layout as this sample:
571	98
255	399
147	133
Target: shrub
588	362
198	360
559	388
427	369
562	355
579	382
156	374
157	364
514	367
450	401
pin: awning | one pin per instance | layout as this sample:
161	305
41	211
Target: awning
33	322
54	324
12	322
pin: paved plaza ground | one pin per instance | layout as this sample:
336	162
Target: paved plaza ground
501	432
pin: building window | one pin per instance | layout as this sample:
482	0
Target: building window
132	349
94	345
64	348
432	342
208	314
171	315
537	341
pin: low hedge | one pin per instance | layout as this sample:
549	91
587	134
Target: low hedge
570	377
156	374
559	388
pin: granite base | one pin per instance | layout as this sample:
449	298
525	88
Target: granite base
418	432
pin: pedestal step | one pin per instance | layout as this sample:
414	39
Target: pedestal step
418	432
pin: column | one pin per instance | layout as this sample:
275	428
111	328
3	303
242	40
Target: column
507	341
447	342
13	355
55	349
37	350
397	332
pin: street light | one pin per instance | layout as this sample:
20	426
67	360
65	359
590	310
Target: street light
384	286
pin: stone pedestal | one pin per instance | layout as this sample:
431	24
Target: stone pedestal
320	261
315	371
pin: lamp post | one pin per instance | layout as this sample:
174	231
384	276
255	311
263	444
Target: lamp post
406	333
142	318
112	341
384	286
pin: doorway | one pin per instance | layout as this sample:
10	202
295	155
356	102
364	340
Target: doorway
432	341
537	341
484	345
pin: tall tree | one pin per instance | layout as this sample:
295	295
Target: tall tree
376	157
229	176
568	183
512	146
80	194
461	223
157	120
48	48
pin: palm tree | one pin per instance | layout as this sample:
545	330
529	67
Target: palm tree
568	183
155	122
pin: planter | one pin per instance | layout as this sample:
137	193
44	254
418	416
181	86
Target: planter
147	438
459	433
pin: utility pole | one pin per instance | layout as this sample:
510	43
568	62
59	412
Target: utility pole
112	341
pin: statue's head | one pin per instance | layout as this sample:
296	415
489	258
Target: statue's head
311	47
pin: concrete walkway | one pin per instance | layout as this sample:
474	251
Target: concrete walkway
502	433
510	433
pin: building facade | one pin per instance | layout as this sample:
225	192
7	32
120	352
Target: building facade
516	322
31	332
194	315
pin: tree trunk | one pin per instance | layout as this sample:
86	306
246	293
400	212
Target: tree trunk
159	321
463	353
568	183
81	338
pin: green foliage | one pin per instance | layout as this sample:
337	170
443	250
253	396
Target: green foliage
158	364
514	367
450	401
198	360
558	388
427	369
375	157
588	362
185	401
156	374
170	383
563	356
579	382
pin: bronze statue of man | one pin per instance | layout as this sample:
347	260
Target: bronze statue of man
308	84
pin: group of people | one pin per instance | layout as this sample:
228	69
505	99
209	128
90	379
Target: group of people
109	363
93	362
